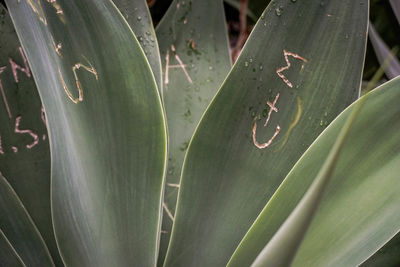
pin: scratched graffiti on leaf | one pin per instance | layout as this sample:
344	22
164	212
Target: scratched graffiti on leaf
272	106
180	65
10	84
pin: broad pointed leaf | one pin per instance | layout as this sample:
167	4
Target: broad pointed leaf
24	147
195	56
300	67
20	231
106	130
138	16
360	210
283	246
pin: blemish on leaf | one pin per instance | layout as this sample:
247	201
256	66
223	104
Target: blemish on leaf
1	147
43	116
293	123
30	132
181	65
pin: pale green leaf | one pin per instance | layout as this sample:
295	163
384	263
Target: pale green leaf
138	17
106	128
195	56
359	212
226	179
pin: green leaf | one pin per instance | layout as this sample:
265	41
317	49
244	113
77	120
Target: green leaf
387	256
19	230
226	179
24	147
106	127
8	255
283	246
137	15
195	56
360	210
382	52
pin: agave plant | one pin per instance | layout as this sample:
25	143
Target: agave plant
270	162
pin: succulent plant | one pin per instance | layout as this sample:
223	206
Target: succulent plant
159	152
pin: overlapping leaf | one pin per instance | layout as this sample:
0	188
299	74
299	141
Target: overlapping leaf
195	56
300	67
8	255
106	130
24	147
19	231
360	210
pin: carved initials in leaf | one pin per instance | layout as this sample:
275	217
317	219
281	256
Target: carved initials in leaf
279	71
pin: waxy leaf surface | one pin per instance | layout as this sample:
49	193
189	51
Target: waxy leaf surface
24	146
106	128
359	212
300	67
195	57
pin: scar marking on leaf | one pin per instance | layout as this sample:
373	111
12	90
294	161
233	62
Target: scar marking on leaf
293	123
15	149
279	71
15	66
43	116
30	132
164	232
181	65
1	147
3	94
58	9
36	7
76	67
277	130
169	213
57	47
272	108
173	185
